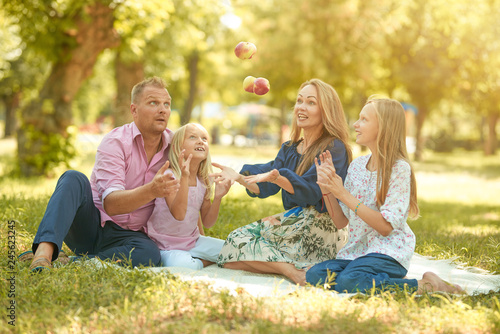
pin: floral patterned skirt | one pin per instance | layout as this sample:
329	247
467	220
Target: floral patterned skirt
301	236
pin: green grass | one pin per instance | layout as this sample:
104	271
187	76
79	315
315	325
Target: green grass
460	217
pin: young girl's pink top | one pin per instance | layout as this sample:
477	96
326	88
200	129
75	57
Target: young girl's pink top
363	239
170	233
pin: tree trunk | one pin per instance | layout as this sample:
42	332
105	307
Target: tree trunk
491	140
419	148
192	63
11	104
127	74
43	139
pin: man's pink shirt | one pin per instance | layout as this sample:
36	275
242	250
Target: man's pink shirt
121	164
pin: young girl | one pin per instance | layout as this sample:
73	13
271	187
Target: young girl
173	225
380	193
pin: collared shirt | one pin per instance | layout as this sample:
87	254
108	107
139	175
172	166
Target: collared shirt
121	164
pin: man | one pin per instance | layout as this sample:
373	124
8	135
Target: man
106	217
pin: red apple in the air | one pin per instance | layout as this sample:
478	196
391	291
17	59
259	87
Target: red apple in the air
248	84
245	50
261	86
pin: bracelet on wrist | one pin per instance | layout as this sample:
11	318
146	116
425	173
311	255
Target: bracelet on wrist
357	207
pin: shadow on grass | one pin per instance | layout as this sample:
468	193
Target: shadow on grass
472	233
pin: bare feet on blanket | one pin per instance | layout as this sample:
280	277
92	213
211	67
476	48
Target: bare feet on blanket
297	276
206	263
431	282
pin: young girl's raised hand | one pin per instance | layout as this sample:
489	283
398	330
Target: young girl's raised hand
184	164
222	188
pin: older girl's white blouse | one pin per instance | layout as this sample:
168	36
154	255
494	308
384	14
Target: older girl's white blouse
363	239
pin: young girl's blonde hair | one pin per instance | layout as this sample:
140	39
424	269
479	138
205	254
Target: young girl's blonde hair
175	150
334	125
391	146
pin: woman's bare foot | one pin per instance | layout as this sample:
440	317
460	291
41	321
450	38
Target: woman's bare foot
298	276
431	282
206	263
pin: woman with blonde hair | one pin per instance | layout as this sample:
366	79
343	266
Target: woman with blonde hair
288	242
378	196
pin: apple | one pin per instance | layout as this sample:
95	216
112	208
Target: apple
245	50
261	86
248	84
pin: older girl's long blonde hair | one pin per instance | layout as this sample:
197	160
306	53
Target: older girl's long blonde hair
205	167
391	146
334	125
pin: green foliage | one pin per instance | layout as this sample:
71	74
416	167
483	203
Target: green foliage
93	99
138	23
46	26
438	55
54	149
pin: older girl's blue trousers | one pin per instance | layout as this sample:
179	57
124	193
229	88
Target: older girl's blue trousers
373	270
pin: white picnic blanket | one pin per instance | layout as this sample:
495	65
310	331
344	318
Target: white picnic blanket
473	280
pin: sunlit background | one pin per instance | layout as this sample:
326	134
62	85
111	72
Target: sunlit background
67	67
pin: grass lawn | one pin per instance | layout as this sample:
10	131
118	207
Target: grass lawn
460	217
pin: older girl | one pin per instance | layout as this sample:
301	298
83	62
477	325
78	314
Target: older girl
380	193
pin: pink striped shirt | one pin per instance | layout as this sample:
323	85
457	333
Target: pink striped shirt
121	164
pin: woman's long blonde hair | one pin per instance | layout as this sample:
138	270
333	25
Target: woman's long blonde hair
334	125
391	146
175	150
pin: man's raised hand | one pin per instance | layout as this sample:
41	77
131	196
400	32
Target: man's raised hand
164	183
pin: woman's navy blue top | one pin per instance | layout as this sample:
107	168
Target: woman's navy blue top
306	190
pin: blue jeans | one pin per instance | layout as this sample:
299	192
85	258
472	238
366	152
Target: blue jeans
372	270
72	217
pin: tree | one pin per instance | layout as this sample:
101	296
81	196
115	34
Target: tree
195	32
139	24
300	40
70	34
479	88
20	72
422	56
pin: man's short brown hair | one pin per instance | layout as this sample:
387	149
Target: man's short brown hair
153	81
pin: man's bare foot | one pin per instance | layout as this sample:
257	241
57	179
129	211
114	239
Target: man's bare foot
44	250
42	258
431	282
